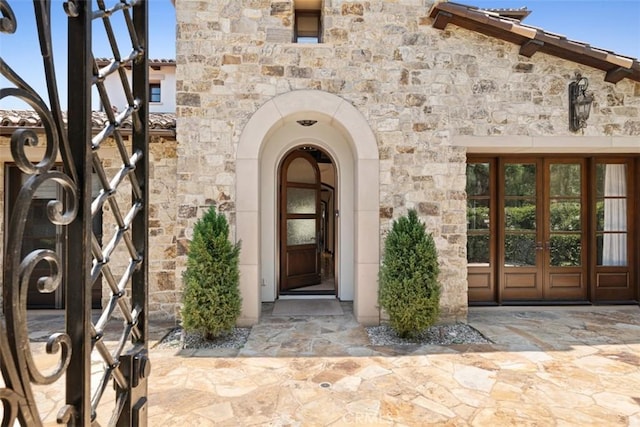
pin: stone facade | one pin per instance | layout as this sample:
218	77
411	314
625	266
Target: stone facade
163	285
419	89
396	97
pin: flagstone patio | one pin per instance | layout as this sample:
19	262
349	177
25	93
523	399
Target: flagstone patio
572	366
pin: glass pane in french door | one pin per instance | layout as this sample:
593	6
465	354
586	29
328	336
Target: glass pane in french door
611	214
478	214
481	230
565	215
520	215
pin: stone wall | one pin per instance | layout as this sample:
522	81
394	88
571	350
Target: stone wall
164	283
418	87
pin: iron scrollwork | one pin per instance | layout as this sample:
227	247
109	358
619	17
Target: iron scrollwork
17	363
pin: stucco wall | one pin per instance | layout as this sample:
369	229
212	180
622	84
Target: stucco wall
165	76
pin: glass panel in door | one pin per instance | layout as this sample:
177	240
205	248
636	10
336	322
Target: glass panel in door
301	232
521	247
611	214
564	276
481	231
301	200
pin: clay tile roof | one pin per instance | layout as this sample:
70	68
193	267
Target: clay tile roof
19	118
508	26
155	62
519	13
158	122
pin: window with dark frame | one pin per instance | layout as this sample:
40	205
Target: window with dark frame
154	92
307	26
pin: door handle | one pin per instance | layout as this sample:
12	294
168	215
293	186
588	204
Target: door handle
541	247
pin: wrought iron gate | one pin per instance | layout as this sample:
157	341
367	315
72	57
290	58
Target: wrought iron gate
122	192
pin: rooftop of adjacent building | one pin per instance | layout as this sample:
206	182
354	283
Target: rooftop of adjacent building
159	123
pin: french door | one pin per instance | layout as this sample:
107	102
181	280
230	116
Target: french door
543	226
551	229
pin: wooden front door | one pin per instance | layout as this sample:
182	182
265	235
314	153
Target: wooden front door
543	229
300	216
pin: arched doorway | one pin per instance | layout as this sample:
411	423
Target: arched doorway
328	122
306	223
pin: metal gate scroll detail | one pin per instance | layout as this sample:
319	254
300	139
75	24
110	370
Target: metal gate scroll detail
89	366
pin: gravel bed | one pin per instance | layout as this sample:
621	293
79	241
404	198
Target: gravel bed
178	338
457	333
384	335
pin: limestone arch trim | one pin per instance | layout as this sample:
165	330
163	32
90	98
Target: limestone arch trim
336	112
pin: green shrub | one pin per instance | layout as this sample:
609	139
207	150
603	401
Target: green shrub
409	289
211	299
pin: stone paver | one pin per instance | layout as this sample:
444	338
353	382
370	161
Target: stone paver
565	366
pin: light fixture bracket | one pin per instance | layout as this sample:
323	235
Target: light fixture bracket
307	123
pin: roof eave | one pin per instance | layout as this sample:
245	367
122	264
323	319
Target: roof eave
532	40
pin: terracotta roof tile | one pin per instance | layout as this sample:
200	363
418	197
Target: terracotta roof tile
29	118
152	61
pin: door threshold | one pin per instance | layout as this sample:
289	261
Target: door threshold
307	296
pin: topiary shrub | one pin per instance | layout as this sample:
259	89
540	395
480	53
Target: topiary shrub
409	290
211	299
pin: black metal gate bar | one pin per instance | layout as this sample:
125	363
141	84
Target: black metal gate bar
85	260
78	265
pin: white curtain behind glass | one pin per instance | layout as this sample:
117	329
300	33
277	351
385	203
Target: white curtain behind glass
614	250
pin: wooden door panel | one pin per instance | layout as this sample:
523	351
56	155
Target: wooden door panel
300	216
565	286
521	286
302	268
613	281
565	280
480	287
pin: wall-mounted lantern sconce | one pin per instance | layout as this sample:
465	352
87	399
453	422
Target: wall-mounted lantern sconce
579	103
